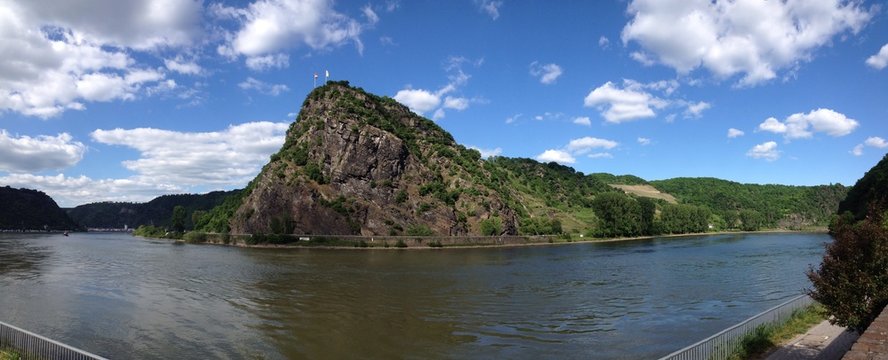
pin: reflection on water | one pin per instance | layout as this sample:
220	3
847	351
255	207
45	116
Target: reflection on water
126	297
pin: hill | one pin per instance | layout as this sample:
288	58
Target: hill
360	164
870	190
780	205
116	215
25	209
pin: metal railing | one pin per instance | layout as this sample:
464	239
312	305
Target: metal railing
28	345
723	344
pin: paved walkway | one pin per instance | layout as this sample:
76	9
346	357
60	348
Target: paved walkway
821	342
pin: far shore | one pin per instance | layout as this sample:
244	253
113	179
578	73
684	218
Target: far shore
555	241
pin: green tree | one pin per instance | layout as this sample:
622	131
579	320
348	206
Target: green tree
648	211
618	215
852	281
491	227
178	218
750	220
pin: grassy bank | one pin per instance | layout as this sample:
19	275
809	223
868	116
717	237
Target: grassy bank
767	337
6	354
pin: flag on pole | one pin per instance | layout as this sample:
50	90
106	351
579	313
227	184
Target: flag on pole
326	74
316	80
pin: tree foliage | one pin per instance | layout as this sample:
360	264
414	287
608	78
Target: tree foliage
618	215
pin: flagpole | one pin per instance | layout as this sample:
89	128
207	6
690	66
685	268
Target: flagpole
315	80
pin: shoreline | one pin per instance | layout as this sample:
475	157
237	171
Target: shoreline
557	242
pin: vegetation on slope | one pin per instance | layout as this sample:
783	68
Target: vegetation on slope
852	280
157	212
25	209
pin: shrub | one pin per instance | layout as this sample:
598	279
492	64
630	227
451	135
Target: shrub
194	237
419	230
400	244
491	227
852	282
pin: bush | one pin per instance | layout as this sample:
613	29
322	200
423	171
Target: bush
400	244
491	227
852	281
420	230
436	244
194	237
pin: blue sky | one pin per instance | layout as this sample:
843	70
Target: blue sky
127	100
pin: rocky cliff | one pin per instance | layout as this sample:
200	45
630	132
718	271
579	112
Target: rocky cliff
356	163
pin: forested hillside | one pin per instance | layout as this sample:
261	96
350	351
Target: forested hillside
870	191
778	205
25	209
116	215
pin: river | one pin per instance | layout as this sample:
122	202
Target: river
124	297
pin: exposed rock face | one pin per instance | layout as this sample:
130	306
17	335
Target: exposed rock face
356	163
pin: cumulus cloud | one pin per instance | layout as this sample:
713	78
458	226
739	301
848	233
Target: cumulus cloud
491	7
873	141
802	126
72	191
263	87
487	153
644	141
767	151
547	73
179	65
583	120
229	157
21	154
262	63
754	39
603	42
732	133
696	109
880	60
576	147
620	105
559	156
513	118
270	27
422	101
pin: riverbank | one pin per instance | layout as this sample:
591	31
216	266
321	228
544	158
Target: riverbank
351	242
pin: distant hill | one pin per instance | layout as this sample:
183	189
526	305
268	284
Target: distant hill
870	190
116	215
25	209
778	204
357	163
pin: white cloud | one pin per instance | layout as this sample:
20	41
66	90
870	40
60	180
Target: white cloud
20	154
73	191
619	105
491	7
642	58
418	100
732	133
559	156
603	42
583	120
182	66
767	151
439	114
513	118
873	141
263	87
548	73
876	141
696	109
644	141
601	155
371	16
487	153
456	103
262	63
801	126
755	39
880	60
586	144
272	26
421	101
857	150
183	158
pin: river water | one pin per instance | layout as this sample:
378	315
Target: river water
125	297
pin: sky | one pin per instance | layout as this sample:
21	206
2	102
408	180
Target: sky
110	100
